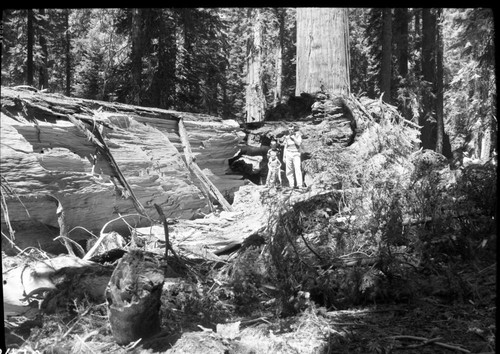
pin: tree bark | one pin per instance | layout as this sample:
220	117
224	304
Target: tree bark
136	55
278	93
418	36
68	54
439	86
322	51
386	67
255	100
427	118
401	39
43	80
31	38
401	15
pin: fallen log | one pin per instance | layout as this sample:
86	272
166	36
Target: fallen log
133	296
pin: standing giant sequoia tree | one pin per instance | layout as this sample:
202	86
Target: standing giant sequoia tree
255	100
323	50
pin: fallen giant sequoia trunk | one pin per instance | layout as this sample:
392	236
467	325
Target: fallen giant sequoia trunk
45	151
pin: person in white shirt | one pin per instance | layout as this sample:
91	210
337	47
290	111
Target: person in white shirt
291	157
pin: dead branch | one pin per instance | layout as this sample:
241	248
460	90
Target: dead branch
168	245
102	235
193	167
431	341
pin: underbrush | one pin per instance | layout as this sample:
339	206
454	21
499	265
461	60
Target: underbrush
396	225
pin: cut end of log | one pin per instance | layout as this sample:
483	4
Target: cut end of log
133	296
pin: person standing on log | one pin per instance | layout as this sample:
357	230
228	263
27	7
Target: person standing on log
274	168
291	155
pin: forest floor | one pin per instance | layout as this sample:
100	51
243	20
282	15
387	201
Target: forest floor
202	320
425	325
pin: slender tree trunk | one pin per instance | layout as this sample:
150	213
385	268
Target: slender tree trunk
68	54
386	67
278	93
255	100
401	38
487	119
44	72
401	15
418	37
190	90
31	37
136	55
439	85
322	50
428	119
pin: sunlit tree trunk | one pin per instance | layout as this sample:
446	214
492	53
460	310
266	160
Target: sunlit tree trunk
322	50
31	38
439	86
386	67
255	100
487	119
43	79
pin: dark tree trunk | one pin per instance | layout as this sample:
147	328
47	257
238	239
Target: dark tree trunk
43	81
31	37
418	37
401	32
68	54
401	38
136	55
385	67
278	93
427	118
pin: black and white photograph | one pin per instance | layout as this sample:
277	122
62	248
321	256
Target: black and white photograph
248	180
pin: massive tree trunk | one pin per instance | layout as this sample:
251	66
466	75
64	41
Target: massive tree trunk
45	154
136	55
427	118
386	67
322	51
31	38
255	100
43	81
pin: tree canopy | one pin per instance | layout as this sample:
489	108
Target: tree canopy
199	59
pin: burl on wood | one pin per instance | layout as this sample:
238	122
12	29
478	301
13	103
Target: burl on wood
133	296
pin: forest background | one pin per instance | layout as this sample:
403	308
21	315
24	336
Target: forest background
199	60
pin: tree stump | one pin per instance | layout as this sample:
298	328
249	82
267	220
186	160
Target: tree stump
133	296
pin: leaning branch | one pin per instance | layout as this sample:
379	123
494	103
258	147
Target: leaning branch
193	166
